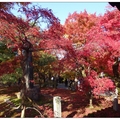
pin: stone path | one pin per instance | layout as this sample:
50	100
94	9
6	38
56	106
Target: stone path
62	86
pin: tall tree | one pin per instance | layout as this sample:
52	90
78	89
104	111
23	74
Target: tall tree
76	27
92	46
24	36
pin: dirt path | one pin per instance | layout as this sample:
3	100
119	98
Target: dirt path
74	104
77	105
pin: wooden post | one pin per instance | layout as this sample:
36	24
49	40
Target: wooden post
57	106
115	101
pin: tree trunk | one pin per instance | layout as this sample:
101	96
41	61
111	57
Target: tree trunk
89	70
29	71
27	81
90	100
115	67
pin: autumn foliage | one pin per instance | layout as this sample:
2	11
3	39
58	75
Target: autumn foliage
86	41
98	85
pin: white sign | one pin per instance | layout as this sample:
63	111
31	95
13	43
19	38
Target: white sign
57	106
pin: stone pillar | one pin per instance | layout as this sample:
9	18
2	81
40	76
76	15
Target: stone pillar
57	106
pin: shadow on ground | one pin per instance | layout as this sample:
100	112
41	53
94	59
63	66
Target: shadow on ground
74	102
106	113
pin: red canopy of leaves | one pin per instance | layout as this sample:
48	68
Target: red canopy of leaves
98	85
86	39
77	24
14	30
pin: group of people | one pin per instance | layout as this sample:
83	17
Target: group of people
74	84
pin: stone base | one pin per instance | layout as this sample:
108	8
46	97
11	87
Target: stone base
34	93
